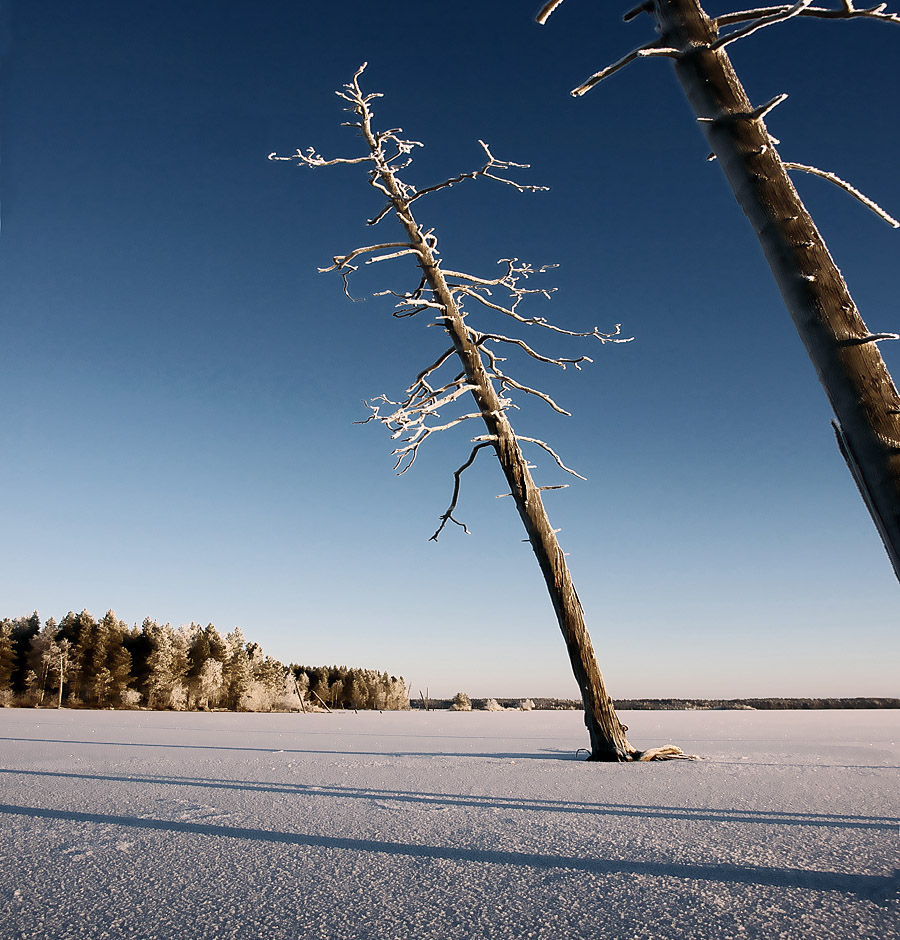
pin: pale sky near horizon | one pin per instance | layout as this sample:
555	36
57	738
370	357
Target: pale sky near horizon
181	384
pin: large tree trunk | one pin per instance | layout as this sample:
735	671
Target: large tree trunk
844	353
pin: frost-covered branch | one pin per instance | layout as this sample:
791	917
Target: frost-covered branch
753	21
848	188
310	157
552	453
492	163
654	48
785	13
542	322
545	11
847	11
406	455
508	382
481	338
343	261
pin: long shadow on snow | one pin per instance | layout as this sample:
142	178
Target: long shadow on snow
825	820
544	754
541	754
874	887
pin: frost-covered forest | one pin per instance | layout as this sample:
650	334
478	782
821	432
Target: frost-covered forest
105	663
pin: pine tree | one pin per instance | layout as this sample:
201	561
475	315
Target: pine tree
7	662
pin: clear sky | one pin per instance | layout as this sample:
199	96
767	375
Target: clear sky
180	384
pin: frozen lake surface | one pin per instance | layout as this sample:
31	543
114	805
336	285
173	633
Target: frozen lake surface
413	826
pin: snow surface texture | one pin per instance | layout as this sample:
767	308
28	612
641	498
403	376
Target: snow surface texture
409	826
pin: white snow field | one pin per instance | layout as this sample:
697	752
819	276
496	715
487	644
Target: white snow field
409	826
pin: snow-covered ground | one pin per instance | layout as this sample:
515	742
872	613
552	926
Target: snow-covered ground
412	826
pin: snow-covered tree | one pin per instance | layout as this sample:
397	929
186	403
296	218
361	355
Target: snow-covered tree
210	683
7	663
167	666
461	703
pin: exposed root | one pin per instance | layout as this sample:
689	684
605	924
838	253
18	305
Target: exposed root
667	752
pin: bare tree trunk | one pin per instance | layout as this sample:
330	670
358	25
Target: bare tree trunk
843	351
606	732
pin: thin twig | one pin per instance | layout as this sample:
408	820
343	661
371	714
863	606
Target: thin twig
448	515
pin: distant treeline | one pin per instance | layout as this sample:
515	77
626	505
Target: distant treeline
105	663
340	687
756	703
671	704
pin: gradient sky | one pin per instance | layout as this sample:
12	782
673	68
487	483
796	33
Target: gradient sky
180	384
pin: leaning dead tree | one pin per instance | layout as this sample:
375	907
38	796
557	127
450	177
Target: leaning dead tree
842	349
471	369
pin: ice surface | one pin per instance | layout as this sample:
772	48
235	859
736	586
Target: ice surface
446	825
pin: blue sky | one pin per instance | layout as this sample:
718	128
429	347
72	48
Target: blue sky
181	384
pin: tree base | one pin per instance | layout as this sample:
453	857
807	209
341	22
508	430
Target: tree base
667	752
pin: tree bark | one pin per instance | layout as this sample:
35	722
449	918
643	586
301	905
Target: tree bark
842	350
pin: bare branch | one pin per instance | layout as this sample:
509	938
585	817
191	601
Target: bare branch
385	211
783	14
492	163
846	12
645	7
545	11
480	338
654	48
448	515
309	157
552	453
410	451
847	187
342	261
542	321
487	282
505	380
394	254
447	354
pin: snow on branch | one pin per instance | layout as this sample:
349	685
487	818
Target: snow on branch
848	188
479	289
784	13
847	11
753	21
552	453
654	48
480	338
508	382
546	10
343	261
492	164
471	361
